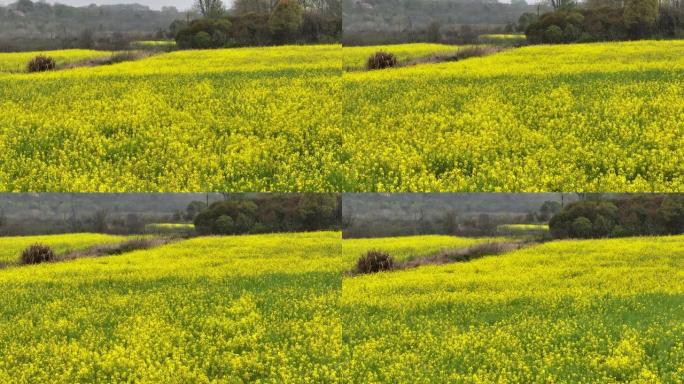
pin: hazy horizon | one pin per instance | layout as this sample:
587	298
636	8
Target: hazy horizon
182	5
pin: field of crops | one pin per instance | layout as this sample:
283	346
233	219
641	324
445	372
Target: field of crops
11	247
252	119
355	57
584	117
568	311
17	61
542	118
233	309
407	247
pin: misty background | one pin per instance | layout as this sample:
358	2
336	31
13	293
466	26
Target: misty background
463	214
46	213
181	5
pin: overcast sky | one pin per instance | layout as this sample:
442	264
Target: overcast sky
154	4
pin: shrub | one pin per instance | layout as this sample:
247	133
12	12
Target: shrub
381	60
202	40
41	63
374	261
204	33
581	227
36	254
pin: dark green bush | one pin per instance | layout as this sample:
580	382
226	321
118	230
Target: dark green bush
204	33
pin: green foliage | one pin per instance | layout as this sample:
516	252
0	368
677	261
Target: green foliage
607	20
556	27
256	24
204	33
270	213
640	16
285	20
632	216
581	227
202	40
36	254
525	20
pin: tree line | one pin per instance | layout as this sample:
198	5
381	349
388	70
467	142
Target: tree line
368	22
641	215
271	213
605	20
27	25
260	23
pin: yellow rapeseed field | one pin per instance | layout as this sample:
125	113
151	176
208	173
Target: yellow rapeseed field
584	117
252	119
407	247
592	311
355	57
12	246
218	309
17	61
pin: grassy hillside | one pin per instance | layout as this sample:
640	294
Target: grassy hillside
570	117
11	247
566	311
233	309
252	119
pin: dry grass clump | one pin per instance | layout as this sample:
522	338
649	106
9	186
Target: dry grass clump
381	60
41	63
36	254
374	261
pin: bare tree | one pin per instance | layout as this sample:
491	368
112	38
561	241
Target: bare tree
210	8
558	4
